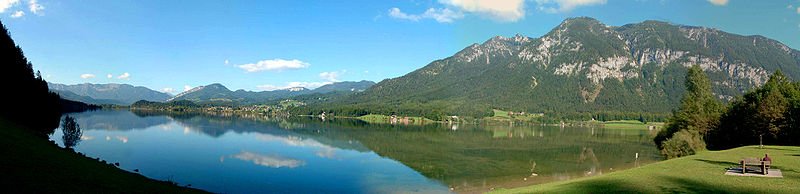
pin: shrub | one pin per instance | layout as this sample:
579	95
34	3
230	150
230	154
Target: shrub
683	143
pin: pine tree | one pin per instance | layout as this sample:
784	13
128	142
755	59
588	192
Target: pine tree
698	114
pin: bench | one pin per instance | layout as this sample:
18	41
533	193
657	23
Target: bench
755	162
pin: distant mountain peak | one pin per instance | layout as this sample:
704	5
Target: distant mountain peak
296	89
111	93
219	93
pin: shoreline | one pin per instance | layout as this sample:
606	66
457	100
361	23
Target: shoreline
36	165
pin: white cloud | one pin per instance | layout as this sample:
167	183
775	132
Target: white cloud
501	10
227	62
87	75
560	6
125	75
187	88
330	76
274	64
719	2
790	6
35	7
309	85
5	4
441	15
109	76
17	14
167	90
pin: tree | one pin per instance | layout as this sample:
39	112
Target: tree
698	114
770	112
31	104
71	132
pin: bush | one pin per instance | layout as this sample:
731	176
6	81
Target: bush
683	143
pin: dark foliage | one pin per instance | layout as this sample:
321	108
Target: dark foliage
698	114
769	114
29	102
71	132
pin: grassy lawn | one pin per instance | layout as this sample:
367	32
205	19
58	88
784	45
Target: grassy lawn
701	173
34	165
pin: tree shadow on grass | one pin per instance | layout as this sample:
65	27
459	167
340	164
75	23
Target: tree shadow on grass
782	149
603	186
693	186
720	163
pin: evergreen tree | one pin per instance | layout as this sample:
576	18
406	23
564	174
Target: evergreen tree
30	103
768	113
698	114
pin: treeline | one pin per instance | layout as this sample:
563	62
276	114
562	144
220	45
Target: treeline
28	101
440	112
178	105
768	115
355	110
611	116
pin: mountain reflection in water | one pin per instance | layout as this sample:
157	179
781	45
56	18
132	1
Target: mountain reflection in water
247	154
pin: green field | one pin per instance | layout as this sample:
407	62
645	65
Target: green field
701	173
34	165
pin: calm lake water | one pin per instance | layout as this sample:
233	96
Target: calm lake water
235	154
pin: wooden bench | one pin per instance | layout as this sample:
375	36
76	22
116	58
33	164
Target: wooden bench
763	165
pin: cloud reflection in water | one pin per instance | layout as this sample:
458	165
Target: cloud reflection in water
269	161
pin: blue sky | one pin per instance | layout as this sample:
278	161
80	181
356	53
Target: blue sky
266	45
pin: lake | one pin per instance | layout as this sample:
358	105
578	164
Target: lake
255	154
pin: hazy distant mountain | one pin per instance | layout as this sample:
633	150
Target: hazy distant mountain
217	93
85	99
582	65
120	94
352	86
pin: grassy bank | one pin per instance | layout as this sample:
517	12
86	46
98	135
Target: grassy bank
701	173
34	165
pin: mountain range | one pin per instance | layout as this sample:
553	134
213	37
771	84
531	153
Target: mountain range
582	65
219	94
117	94
124	94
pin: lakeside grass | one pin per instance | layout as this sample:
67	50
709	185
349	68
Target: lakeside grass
34	165
700	173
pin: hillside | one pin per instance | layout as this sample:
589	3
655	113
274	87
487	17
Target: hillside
582	65
119	94
219	94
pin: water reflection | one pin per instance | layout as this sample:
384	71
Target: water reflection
305	154
269	161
